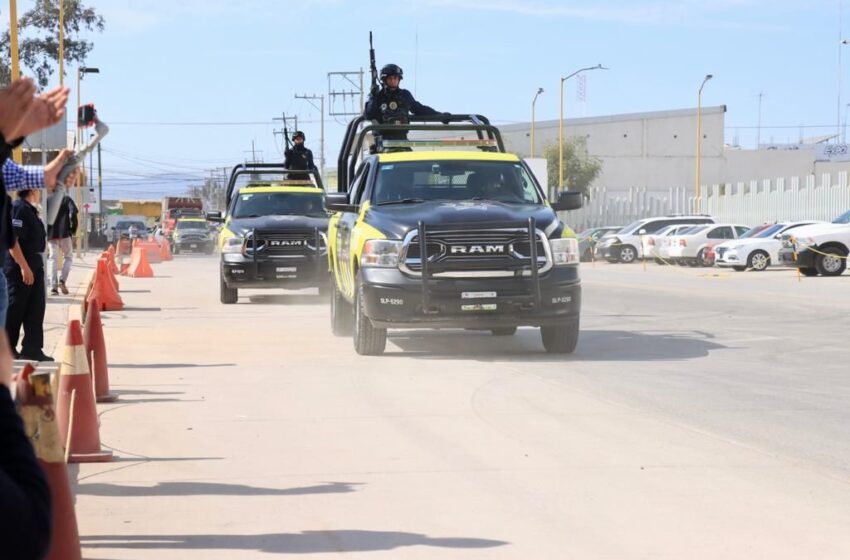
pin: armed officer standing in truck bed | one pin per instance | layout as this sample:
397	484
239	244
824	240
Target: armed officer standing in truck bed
299	157
393	105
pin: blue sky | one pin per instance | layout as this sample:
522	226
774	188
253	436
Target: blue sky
211	61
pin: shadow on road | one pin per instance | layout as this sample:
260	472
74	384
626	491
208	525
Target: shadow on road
593	345
211	489
293	543
289	299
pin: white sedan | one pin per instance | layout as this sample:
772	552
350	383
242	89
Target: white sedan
757	252
692	248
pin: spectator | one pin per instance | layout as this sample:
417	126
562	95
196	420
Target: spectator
24	494
60	235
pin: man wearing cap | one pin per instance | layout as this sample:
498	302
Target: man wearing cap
392	104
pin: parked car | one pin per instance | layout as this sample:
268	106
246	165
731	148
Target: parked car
757	249
588	239
657	247
691	248
630	243
819	248
128	229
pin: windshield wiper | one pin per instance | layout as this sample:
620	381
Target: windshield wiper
402	201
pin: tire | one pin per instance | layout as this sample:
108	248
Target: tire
342	314
627	254
701	259
693	263
561	339
368	339
758	261
739	268
228	295
504	331
832	262
808	271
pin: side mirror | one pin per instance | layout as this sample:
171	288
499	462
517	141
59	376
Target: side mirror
568	200
338	202
214	217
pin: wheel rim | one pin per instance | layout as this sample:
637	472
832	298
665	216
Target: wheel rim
627	254
831	263
759	261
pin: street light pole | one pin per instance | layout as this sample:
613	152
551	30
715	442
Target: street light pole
533	102
699	137
561	122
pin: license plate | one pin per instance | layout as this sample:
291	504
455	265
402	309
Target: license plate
479	307
285	269
477	295
193	245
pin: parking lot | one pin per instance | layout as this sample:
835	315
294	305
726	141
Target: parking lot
249	430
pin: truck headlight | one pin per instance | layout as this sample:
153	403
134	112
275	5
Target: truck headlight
564	251
380	253
233	244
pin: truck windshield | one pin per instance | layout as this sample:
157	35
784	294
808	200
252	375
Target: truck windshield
254	205
500	181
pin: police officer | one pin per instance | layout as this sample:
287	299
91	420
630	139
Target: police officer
299	157
392	104
24	271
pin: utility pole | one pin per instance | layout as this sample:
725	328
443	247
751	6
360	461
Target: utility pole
758	128
285	120
311	99
344	90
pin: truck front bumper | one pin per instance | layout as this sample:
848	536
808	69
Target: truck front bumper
393	299
239	271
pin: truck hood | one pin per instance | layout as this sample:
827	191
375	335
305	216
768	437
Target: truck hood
396	220
240	226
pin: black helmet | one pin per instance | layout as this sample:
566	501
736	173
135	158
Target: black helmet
391	70
298	133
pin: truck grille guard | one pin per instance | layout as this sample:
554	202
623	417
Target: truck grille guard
317	251
512	263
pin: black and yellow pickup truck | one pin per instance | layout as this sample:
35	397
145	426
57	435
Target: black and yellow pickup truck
274	233
447	231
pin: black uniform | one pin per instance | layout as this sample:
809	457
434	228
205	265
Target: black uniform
25	505
27	303
299	158
394	106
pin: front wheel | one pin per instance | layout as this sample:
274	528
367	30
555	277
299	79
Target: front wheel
759	261
831	261
808	271
702	258
369	340
627	254
342	314
562	338
228	295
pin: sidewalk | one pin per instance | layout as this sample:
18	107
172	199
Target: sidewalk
60	307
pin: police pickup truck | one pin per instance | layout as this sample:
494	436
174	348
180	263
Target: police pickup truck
819	248
274	233
448	232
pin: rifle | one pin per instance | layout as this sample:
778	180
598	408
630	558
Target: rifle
374	69
286	134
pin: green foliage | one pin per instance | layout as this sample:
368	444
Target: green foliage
38	39
580	169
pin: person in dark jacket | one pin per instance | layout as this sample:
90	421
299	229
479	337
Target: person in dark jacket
299	157
25	503
25	275
60	236
393	105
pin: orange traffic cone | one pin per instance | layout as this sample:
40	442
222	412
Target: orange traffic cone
109	274
123	247
35	395
110	261
76	409
152	249
165	251
96	354
139	265
104	291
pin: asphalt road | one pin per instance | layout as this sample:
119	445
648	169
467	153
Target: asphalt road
704	415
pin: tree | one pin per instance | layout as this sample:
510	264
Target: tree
38	39
580	168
